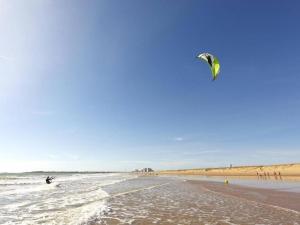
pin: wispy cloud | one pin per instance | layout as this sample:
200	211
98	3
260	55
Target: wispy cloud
178	139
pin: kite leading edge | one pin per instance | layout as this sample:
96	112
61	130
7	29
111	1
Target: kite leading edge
213	63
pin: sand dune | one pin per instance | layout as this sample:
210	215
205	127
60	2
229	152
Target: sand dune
267	170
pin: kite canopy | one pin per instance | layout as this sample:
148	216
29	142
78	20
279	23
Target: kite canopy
213	63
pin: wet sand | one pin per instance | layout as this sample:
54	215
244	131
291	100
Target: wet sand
163	200
284	200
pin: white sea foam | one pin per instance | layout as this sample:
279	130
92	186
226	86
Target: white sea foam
36	188
71	199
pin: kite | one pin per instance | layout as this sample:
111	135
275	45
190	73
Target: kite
213	63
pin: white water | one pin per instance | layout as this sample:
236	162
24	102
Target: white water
70	199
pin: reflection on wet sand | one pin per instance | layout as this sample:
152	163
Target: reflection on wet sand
180	201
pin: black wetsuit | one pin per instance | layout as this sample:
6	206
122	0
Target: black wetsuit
49	180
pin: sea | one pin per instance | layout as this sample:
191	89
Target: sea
127	198
72	198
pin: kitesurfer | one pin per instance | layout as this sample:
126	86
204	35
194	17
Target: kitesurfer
49	180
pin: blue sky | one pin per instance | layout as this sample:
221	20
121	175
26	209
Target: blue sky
114	85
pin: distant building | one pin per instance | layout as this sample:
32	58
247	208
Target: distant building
147	170
144	170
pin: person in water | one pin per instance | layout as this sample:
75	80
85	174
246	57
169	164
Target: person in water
49	180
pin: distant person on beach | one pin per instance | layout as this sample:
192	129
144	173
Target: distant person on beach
279	174
49	180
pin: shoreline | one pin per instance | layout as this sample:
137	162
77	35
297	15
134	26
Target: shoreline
164	200
275	198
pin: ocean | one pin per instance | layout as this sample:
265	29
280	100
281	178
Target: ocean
73	198
122	199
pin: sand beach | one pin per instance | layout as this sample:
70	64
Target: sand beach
253	195
169	200
275	171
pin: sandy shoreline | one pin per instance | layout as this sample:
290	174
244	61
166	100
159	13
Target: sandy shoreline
275	171
269	197
180	201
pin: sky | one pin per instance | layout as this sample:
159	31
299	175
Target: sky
115	85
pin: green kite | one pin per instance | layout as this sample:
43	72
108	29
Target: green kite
213	63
